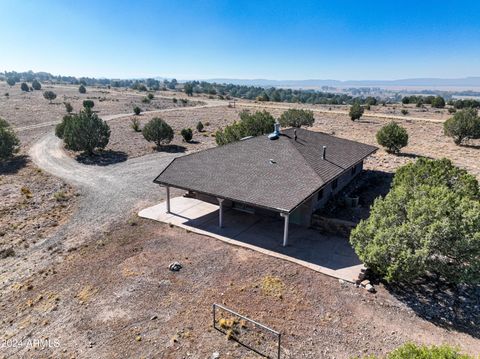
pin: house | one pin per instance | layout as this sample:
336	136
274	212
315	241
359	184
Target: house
290	173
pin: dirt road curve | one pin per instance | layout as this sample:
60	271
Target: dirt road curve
108	192
121	115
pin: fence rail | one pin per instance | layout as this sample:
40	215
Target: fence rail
276	334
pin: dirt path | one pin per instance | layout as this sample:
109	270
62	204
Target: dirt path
337	112
121	115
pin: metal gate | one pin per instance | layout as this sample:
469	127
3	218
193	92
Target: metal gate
247	332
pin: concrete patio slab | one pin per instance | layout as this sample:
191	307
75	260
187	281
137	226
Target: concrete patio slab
326	254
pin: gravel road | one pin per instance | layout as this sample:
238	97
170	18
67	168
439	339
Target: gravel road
108	193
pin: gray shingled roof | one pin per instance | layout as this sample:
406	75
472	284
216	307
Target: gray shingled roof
274	174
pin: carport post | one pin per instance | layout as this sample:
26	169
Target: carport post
168	198
285	228
220	212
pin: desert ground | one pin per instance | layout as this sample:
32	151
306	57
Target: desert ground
79	267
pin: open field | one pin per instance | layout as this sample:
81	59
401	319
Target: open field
115	297
87	272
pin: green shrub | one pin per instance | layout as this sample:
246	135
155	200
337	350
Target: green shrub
82	89
36	85
438	102
89	104
296	118
187	134
135	124
11	81
255	124
50	95
85	132
145	100
150	96
404	112
452	110
429	223
464	125
174	100
68	107
24	87
200	126
9	143
60	128
356	111
137	110
393	137
158	131
413	351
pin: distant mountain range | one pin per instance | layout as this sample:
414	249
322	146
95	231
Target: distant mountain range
466	82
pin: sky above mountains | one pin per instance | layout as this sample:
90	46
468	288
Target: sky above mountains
342	40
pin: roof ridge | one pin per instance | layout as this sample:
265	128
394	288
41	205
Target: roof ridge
303	156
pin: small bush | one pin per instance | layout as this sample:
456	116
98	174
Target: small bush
413	351
393	137
199	126
36	85
60	128
68	107
452	110
88	104
11	81
50	95
187	134
137	110
404	112
296	118
174	100
82	89
150	96
24	87
135	124
145	100
9	143
464	125
85	132
356	111
158	131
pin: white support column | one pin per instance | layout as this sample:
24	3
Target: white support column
168	198
220	212
285	228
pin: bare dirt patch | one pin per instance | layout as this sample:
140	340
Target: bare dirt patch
116	297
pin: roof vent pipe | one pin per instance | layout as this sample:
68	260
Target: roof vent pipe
324	152
295	134
276	132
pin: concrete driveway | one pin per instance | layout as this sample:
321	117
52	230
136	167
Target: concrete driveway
326	254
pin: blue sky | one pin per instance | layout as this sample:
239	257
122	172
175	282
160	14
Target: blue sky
343	40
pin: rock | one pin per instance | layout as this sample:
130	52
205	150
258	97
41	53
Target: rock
138	338
361	276
364	283
215	355
175	266
341	281
153	317
370	288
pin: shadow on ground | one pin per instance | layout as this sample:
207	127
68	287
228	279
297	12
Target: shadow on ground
13	165
172	149
103	158
452	308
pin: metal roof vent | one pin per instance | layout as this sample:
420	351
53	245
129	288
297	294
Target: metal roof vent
276	132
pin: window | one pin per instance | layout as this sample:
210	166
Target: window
335	184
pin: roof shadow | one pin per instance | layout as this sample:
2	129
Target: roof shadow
266	232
